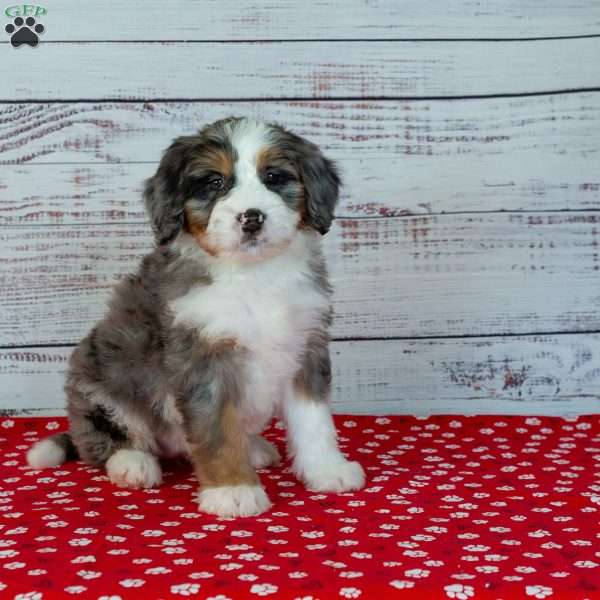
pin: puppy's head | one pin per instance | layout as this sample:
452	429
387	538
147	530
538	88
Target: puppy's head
242	189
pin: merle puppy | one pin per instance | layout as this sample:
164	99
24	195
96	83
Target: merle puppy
224	325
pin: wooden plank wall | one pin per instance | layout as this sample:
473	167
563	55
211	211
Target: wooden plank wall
465	255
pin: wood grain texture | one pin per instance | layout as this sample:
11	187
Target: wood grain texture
522	375
410	277
334	19
84	163
290	70
110	85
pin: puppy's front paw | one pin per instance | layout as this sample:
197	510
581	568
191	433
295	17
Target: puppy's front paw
234	500
133	469
338	475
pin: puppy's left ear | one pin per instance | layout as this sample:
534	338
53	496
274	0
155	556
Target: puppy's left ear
321	187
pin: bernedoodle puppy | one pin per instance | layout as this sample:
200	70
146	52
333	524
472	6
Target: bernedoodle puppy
223	326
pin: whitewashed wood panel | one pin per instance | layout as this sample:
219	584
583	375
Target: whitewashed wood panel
552	374
301	70
410	277
334	19
534	153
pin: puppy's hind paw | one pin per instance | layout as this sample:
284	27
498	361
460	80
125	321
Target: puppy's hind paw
133	469
234	500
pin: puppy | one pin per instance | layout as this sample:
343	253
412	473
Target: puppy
223	326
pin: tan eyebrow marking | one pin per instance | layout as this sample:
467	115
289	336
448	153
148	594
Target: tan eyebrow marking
273	157
209	159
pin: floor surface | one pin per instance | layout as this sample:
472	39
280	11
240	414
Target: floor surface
454	507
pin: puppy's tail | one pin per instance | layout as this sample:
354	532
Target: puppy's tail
52	451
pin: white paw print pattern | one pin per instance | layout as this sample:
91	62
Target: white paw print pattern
459	591
460	508
538	591
263	589
185	589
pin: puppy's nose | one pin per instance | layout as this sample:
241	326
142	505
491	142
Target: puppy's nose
252	220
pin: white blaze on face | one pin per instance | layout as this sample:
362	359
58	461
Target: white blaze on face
224	232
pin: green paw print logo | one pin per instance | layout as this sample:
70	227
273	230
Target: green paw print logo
25	29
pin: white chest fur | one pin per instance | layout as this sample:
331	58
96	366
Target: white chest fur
269	309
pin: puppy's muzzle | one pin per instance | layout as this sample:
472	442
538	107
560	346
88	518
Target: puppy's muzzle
251	220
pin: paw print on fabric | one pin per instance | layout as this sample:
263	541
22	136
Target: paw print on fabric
538	591
350	592
535	548
24	31
400	584
459	591
185	589
263	589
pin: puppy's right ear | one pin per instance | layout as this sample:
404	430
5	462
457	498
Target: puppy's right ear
163	195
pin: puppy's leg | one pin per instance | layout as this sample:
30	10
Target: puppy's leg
312	442
229	484
312	439
102	437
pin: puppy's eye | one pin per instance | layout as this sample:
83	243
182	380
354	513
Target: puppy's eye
216	183
274	177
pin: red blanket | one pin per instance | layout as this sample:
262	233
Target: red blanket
454	507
